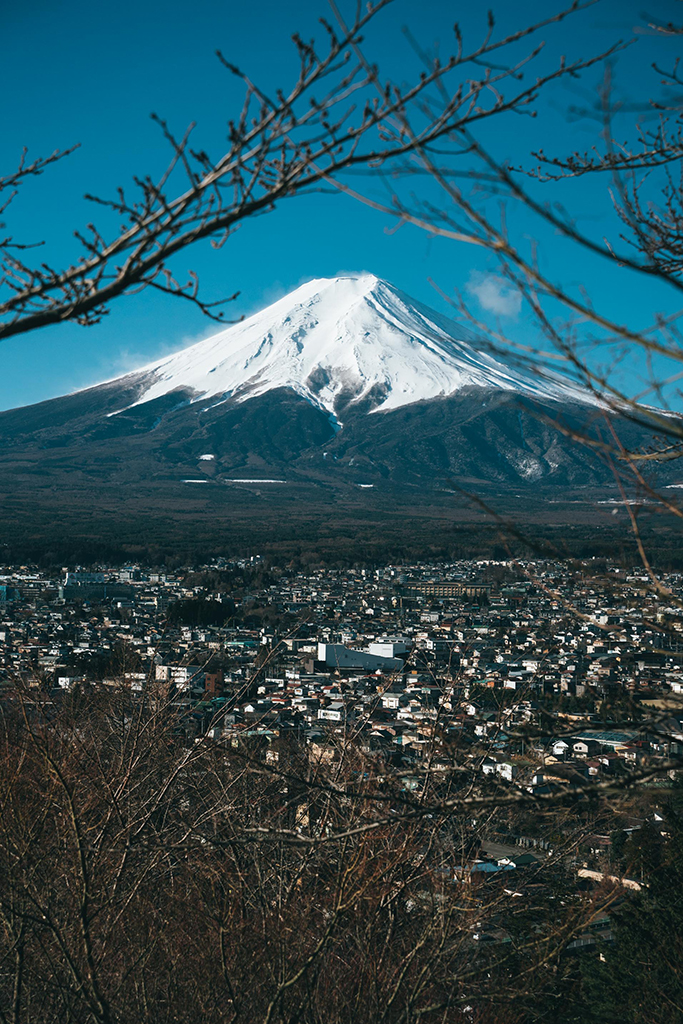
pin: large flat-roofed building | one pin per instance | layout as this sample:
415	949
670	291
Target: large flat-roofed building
389	648
447	588
339	656
95	592
78	579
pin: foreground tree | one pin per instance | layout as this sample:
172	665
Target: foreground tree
339	115
643	187
145	877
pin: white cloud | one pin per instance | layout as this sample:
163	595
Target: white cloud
494	294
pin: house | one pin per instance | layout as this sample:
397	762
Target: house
560	748
335	711
507	771
585	748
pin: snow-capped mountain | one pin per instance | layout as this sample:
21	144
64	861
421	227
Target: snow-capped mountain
338	342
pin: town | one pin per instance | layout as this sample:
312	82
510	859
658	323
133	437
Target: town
562	674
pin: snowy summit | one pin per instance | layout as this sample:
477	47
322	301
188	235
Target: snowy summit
339	341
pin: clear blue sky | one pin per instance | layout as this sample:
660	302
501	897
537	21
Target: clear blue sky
76	71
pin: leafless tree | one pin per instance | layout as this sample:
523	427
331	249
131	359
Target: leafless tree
340	115
647	205
151	879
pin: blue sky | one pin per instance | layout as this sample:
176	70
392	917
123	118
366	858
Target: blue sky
92	74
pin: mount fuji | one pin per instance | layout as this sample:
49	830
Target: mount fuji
344	392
